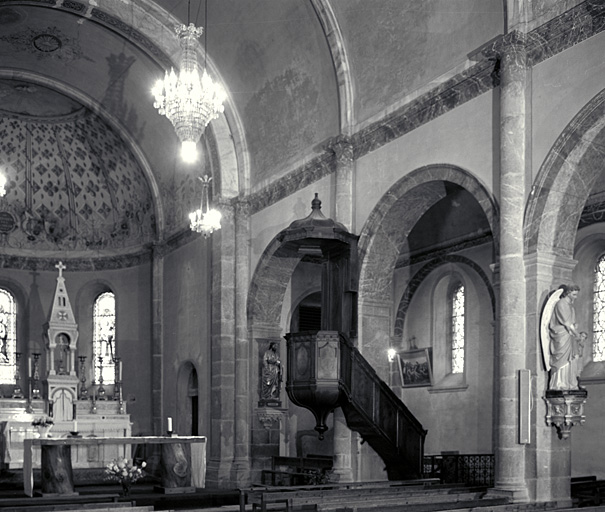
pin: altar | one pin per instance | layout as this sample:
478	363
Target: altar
183	460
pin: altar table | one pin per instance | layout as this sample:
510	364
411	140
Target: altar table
183	459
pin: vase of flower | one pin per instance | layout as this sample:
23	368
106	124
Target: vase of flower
126	472
43	431
43	426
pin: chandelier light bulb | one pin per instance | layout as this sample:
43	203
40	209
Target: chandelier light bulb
2	185
189	151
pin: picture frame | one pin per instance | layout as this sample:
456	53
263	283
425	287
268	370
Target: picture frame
416	367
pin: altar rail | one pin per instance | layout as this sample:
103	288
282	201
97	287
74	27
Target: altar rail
471	469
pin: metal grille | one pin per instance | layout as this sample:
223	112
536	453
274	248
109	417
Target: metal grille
467	469
598	319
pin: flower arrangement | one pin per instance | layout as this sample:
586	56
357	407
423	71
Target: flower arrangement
124	470
44	421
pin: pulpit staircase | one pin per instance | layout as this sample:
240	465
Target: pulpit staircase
373	410
326	371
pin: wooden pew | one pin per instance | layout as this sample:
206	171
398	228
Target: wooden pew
587	491
300	470
298	496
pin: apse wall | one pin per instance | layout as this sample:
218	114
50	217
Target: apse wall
133	326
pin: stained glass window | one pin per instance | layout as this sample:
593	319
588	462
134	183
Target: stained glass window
598	317
8	339
457	332
104	343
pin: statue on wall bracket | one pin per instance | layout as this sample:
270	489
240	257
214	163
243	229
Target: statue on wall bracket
271	375
562	350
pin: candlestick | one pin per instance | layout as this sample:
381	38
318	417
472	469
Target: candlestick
101	390
17	392
83	390
35	390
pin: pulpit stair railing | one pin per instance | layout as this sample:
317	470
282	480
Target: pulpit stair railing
326	371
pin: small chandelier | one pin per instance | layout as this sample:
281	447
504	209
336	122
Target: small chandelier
206	220
188	101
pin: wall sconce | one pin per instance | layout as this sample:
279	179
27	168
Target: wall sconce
391	354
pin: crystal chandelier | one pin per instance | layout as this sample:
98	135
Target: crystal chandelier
206	220
189	101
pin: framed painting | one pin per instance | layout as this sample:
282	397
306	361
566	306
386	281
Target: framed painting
415	367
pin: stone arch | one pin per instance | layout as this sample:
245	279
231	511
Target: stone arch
565	181
396	214
335	40
269	283
419	277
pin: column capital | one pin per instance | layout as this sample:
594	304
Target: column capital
342	147
241	207
509	52
513	42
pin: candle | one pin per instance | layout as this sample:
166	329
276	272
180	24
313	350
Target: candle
120	371
169	424
75	427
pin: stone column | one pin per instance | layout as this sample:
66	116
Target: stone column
376	330
551	481
343	150
510	458
222	429
157	338
243	396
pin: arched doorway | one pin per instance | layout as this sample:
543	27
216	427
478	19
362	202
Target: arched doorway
188	415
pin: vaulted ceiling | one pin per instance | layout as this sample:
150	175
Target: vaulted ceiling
93	167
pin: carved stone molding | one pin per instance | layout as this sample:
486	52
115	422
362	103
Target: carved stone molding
268	417
564	409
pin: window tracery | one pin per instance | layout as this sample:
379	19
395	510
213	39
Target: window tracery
457	329
8	339
598	318
104	322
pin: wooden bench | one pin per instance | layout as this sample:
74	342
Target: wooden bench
587	491
74	502
299	496
300	470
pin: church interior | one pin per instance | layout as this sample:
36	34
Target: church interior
344	238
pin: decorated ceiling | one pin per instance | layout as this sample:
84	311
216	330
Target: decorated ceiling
91	164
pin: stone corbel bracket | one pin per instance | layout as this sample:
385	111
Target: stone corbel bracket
564	409
268	417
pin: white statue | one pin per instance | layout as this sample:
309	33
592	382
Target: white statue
562	344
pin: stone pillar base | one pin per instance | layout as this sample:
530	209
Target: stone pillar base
514	494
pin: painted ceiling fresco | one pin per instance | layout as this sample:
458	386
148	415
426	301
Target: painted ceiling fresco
72	182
